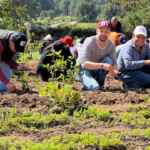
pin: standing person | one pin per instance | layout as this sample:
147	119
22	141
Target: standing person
11	42
134	60
97	58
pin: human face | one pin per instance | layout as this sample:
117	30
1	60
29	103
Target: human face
114	22
139	40
102	33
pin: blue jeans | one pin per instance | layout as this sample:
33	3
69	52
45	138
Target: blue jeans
137	78
94	79
7	72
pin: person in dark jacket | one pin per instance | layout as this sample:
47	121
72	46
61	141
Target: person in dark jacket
47	40
116	30
48	57
11	42
115	25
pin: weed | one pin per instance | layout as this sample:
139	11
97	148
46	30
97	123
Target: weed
98	113
62	94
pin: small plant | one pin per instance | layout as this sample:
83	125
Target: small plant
65	142
134	119
98	113
23	78
147	148
59	69
40	121
147	133
62	95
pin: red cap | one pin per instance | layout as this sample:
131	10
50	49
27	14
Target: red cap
103	24
67	40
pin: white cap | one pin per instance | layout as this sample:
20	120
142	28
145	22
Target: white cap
140	30
47	37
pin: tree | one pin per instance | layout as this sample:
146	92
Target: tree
11	16
87	10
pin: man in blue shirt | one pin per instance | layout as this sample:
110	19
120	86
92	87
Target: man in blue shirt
133	60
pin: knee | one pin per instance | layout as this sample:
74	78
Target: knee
3	87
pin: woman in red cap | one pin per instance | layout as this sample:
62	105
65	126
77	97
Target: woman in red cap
47	58
97	58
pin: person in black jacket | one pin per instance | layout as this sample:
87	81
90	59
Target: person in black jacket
47	40
48	57
115	25
11	42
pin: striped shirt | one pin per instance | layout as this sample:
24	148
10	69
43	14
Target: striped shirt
91	52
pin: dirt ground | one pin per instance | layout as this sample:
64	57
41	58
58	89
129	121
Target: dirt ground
111	96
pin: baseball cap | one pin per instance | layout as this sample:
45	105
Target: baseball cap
20	41
68	40
48	37
103	24
140	30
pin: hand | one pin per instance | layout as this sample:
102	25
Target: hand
147	62
107	67
11	87
113	71
22	67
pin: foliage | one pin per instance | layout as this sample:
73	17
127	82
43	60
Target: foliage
96	112
12	120
41	121
66	142
62	95
147	133
130	13
135	119
12	16
147	148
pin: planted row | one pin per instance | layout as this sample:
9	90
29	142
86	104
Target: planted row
66	142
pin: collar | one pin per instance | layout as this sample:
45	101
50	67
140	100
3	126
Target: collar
132	44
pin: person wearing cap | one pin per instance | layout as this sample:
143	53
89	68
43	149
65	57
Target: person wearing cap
133	60
63	45
47	40
96	58
11	42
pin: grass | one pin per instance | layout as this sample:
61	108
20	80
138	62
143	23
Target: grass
99	113
30	120
72	112
66	142
139	116
147	148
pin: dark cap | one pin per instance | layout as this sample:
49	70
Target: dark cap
20	41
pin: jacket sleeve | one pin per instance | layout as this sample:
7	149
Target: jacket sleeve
3	78
12	64
129	62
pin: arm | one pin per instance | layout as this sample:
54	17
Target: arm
3	78
131	63
92	65
13	64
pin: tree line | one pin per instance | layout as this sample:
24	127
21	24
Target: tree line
14	13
